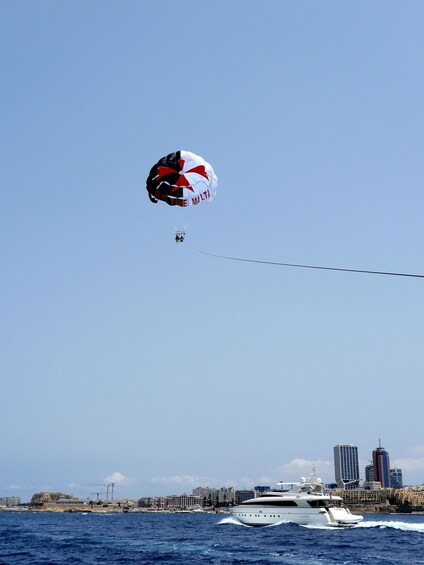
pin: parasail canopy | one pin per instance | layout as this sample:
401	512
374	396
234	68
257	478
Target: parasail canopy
181	179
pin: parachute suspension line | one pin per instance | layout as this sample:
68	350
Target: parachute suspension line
198	213
320	267
186	225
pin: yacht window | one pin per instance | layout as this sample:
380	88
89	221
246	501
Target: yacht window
319	503
271	503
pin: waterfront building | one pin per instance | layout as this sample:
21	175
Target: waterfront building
364	497
242	495
9	501
154	502
413	496
381	465
226	495
209	495
396	479
215	497
172	502
372	485
346	466
184	502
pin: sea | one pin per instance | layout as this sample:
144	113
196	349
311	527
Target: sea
31	538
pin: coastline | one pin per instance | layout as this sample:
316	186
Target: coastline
95	509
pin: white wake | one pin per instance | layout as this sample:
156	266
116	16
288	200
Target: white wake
232	521
235	522
395	524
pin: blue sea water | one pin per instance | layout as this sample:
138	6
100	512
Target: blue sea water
192	539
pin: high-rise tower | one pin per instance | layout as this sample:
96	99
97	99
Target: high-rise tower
396	480
381	464
369	473
346	466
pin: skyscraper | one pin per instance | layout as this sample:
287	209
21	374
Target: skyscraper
369	473
396	480
346	465
381	464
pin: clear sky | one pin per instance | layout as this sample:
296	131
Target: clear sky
128	358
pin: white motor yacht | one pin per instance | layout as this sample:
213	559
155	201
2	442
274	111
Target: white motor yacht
303	503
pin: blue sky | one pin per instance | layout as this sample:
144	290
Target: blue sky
127	358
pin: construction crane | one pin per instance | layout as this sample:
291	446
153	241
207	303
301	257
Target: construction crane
111	486
97	495
108	486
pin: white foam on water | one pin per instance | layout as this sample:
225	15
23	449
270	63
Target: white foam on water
232	521
235	522
317	527
281	522
395	524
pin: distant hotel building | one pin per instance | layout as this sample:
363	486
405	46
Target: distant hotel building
210	495
346	466
381	465
226	495
9	501
213	496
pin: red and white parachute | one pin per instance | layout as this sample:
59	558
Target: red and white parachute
181	179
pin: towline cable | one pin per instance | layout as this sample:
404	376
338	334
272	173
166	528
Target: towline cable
319	267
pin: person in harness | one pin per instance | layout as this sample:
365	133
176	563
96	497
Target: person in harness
179	237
